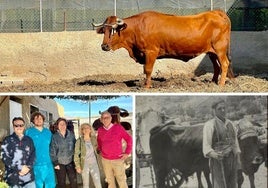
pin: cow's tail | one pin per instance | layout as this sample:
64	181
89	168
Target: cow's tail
230	73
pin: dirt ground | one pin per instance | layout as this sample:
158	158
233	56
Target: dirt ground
260	179
128	83
74	62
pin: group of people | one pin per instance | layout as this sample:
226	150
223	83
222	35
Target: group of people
36	158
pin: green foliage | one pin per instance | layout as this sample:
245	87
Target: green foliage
249	19
2	170
3	185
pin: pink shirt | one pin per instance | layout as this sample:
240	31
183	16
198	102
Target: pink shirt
110	142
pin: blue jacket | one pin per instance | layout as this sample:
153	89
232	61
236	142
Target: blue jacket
15	153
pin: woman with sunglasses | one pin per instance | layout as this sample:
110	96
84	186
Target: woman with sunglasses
18	155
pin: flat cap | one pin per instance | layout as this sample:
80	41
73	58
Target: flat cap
215	104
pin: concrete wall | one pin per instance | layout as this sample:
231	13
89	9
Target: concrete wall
48	105
49	57
4	112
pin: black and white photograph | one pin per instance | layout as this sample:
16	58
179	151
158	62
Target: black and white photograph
201	141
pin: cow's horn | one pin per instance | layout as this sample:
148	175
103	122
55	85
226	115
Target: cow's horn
97	24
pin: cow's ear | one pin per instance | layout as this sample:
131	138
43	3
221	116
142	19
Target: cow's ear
121	27
100	30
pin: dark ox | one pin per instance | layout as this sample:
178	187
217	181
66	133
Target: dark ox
178	149
177	154
151	35
116	113
251	155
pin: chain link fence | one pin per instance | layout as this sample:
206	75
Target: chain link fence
77	15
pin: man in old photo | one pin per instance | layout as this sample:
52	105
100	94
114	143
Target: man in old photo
220	145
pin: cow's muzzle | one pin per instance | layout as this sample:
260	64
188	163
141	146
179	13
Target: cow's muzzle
105	47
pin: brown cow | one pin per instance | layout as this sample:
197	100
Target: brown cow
152	35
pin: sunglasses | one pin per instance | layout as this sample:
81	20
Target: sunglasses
19	125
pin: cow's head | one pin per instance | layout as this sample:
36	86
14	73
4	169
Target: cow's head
116	113
251	157
111	29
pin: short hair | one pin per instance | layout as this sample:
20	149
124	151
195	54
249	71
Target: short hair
17	118
61	119
36	114
106	112
216	103
82	126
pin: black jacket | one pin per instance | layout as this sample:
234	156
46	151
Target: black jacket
62	148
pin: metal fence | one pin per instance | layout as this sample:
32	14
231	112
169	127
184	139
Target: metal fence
77	15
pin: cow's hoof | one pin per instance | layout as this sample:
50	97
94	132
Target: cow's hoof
221	83
214	80
147	86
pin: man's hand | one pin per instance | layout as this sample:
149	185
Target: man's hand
124	156
24	170
78	170
57	167
216	155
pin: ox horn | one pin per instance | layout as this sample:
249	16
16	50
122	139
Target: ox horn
97	24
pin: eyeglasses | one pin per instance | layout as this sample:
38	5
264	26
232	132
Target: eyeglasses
19	125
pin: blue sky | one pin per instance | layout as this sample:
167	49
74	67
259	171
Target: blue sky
78	109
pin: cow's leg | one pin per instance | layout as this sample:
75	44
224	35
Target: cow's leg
148	67
240	178
198	174
214	59
206	174
224	62
224	68
251	180
230	73
221	49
